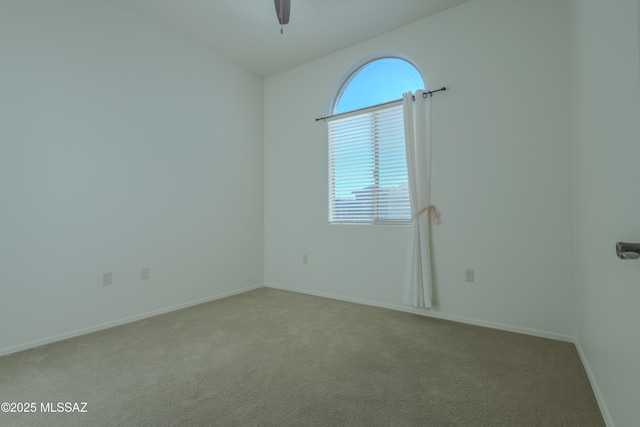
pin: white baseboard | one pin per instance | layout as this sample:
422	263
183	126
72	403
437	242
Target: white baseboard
594	386
437	315
84	331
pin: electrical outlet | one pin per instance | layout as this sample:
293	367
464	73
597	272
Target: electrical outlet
305	259
144	273
106	279
469	276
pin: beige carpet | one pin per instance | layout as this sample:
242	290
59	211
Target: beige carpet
275	358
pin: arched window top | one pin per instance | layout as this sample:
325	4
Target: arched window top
377	81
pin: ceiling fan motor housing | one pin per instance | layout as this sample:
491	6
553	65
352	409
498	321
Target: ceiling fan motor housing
283	7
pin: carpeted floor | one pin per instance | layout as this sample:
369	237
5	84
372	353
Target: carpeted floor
276	358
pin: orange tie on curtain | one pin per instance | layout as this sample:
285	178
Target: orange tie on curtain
433	214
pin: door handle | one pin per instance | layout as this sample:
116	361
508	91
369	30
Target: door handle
628	250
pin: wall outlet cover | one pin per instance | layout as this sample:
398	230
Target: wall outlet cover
469	276
106	279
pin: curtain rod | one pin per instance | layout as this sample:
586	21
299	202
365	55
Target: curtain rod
424	95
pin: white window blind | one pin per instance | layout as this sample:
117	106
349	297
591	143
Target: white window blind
367	167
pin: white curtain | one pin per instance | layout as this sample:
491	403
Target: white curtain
418	282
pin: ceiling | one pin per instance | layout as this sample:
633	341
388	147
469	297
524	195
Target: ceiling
248	33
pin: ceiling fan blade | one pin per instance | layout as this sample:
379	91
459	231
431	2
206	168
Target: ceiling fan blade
283	7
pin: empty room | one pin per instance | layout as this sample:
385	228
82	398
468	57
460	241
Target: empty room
316	213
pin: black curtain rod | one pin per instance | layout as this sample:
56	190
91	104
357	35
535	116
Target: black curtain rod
424	95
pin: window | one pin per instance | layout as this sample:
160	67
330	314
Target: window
367	162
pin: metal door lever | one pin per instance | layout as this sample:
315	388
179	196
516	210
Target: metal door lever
628	250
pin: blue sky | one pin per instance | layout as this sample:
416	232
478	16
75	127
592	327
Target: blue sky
379	81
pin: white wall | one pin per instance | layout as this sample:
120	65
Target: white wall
501	178
606	107
122	145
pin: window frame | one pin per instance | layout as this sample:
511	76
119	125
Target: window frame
335	100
